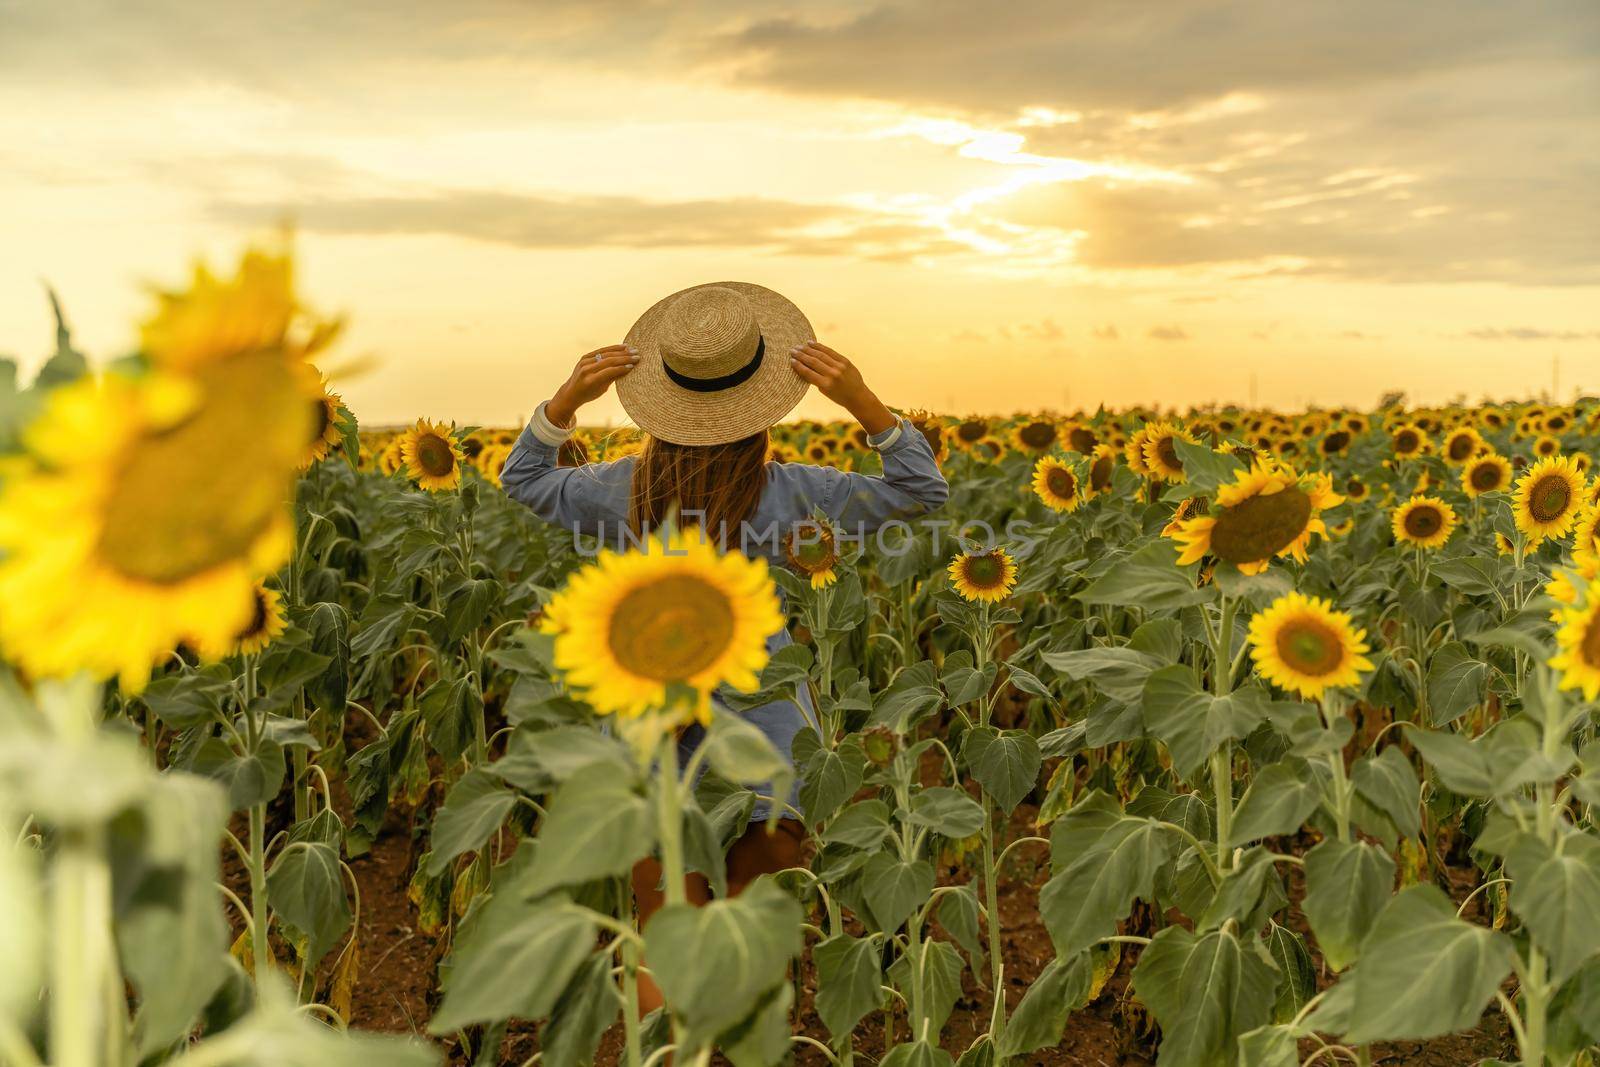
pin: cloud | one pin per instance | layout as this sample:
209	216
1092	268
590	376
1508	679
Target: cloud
1106	54
1529	333
1108	332
1168	333
529	221
1321	139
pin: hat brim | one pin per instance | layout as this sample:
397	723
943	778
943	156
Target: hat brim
666	410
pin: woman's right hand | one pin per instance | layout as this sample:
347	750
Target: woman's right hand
589	381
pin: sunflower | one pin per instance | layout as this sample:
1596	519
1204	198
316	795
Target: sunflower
491	460
1578	645
1082	439
1409	440
1101	468
1565	584
969	432
122	534
1586	534
1057	484
1266	511
1161	451
1460	445
1355	490
1335	443
1547	499
1301	644
932	432
1488	473
987	576
325	405
1545	445
390	460
1423	521
431	455
217	319
266	623
630	626
812	550
1133	450
1034	436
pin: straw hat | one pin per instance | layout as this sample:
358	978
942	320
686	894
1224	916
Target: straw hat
714	364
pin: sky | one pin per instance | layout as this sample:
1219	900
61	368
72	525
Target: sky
1041	204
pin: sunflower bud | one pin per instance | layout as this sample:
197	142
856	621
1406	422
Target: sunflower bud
881	745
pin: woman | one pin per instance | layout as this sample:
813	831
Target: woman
706	372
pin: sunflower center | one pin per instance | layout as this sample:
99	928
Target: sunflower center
984	572
176	508
1038	435
671	629
1261	526
1549	498
1100	473
435	456
972	430
258	621
1460	447
1167	449
1335	441
1484	477
812	550
1082	440
1309	647
1405	441
1423	521
1061	483
472	448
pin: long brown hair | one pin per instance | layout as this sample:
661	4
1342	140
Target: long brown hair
721	484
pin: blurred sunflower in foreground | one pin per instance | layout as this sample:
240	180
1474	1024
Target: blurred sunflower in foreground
122	531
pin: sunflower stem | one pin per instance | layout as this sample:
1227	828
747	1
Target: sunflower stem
670	819
991	906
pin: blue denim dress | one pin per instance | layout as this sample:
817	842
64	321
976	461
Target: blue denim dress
593	500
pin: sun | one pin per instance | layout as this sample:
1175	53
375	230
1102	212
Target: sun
1301	644
632	627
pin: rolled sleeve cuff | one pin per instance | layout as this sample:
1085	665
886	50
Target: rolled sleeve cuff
546	431
888	438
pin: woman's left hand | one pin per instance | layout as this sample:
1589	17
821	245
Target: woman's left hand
838	379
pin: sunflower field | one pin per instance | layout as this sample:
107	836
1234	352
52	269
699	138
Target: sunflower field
1217	737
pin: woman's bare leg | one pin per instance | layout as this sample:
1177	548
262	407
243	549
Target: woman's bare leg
757	852
648	897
